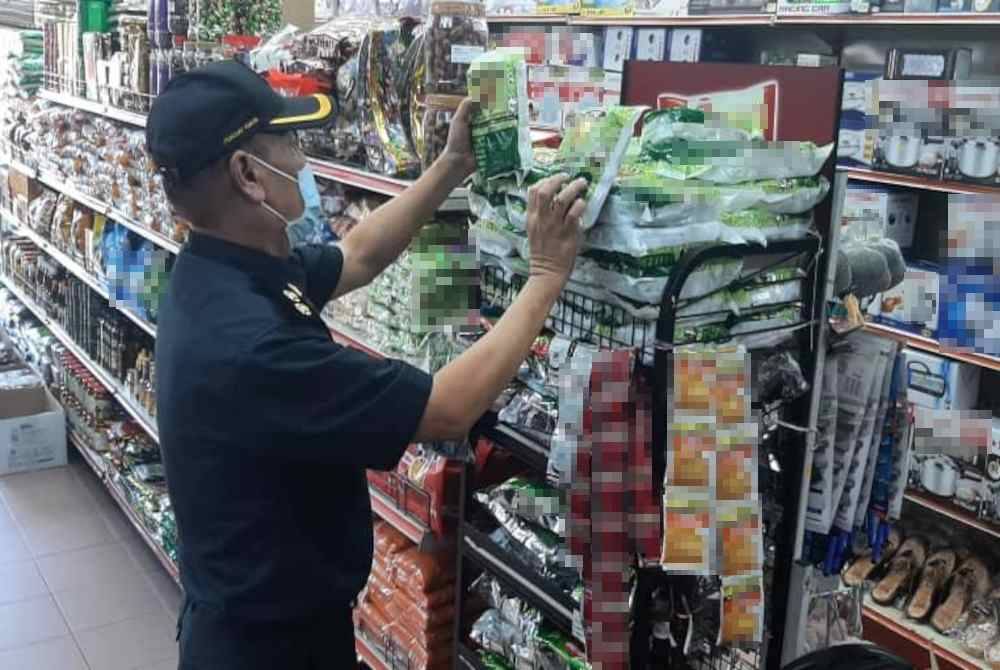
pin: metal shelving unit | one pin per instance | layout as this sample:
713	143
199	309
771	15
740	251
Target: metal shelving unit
932	346
100	469
520	580
986	19
944	651
357	177
94	107
921	183
115	387
62	186
78	271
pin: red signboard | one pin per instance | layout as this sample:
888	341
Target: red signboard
781	102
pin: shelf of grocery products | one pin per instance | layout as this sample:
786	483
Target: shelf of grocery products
677	21
528	18
756	19
946	651
922	183
78	270
97	464
519	580
368	654
94	107
896	18
114	386
952	511
933	346
58	184
349	175
348	337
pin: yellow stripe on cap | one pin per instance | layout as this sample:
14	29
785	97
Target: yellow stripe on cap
325	107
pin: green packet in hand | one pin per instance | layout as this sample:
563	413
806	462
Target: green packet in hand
595	148
501	139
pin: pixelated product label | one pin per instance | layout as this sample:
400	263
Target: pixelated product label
465	53
753	109
923	65
494	143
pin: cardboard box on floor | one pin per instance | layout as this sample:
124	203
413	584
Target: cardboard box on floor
32	427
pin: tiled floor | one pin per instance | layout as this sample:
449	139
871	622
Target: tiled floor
79	590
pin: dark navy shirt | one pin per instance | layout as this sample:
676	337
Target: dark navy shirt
267	427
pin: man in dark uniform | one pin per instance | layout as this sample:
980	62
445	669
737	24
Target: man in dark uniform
267	425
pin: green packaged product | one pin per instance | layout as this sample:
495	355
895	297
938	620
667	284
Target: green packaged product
595	148
558	651
501	140
492	661
444	278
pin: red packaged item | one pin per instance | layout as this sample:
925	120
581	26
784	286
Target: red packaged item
388	540
382	569
415	618
404	651
370	621
379	593
425	486
644	515
294	85
612	412
423	572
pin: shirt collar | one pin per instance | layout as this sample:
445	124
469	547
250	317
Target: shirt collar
260	265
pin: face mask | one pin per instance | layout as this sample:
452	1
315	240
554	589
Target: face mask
308	226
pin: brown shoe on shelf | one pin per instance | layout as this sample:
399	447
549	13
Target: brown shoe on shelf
864	566
971	581
904	566
934	576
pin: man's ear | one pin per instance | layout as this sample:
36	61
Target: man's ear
246	175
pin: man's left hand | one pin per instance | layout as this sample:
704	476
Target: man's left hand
458	153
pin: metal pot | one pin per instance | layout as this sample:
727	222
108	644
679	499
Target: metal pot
939	475
977	157
903	151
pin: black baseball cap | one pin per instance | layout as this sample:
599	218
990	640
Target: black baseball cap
204	114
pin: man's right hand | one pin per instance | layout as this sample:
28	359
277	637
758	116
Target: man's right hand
468	386
554	211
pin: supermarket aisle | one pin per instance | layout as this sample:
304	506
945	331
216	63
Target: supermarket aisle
79	590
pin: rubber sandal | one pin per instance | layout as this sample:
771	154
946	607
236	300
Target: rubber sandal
903	567
863	568
971	581
933	577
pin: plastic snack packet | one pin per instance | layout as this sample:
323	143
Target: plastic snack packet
736	464
688	537
742	611
595	148
691	456
501	140
740	538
